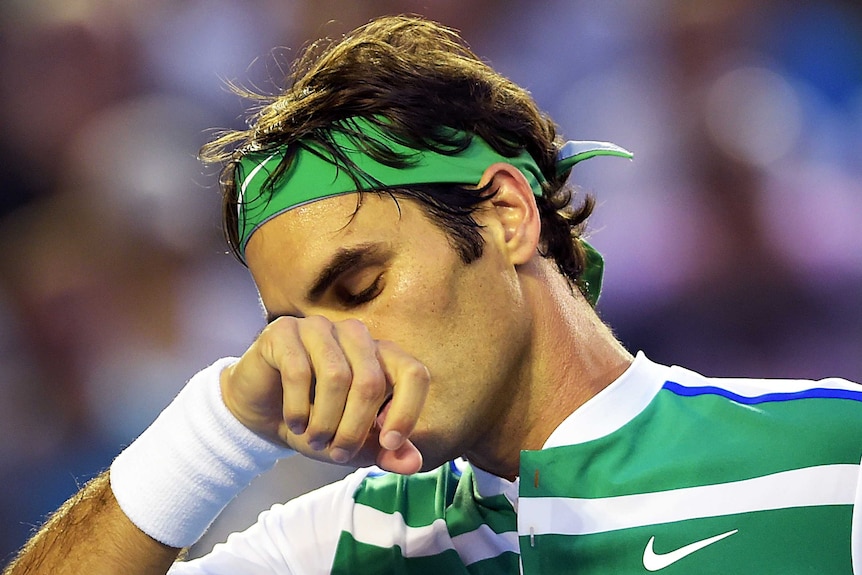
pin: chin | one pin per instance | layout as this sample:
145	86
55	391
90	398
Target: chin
435	452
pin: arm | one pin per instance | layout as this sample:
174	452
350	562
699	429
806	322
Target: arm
228	425
160	494
91	534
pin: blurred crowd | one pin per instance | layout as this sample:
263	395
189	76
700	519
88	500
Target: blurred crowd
733	241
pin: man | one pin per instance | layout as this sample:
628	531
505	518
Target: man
401	209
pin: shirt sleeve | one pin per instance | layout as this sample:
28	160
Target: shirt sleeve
298	537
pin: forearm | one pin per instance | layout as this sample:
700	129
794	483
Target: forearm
161	493
91	534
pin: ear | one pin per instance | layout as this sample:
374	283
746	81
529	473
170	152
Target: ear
513	216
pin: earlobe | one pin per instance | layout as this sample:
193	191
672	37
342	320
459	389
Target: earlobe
514	210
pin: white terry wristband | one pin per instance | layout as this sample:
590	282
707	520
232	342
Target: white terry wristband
175	479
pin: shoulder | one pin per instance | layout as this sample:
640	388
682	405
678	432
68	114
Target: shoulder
821	418
754	391
830	402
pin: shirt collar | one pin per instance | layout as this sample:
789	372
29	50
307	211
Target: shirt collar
606	412
614	406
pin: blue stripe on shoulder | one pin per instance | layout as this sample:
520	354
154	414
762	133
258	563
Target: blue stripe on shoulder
817	392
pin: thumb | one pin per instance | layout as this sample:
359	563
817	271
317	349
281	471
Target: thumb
405	460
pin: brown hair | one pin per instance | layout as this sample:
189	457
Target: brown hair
420	76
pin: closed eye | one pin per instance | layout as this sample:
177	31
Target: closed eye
349	299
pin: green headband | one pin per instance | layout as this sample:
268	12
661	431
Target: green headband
313	174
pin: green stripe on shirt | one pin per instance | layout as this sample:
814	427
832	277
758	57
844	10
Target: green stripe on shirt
729	442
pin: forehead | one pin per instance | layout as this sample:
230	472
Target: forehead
296	243
320	221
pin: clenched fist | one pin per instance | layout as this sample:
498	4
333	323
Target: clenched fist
331	392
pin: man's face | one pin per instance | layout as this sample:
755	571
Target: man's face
396	272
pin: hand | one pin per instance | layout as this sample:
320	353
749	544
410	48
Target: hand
319	386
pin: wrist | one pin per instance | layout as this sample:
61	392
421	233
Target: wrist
175	479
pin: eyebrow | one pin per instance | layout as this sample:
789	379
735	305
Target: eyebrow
344	260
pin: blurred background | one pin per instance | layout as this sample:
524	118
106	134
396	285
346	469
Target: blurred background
733	241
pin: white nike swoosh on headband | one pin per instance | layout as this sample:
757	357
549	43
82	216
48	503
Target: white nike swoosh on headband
250	177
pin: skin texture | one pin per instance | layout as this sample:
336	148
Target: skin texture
472	328
481	360
91	534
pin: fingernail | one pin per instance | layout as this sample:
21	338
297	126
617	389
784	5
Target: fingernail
339	455
297	428
391	440
317	445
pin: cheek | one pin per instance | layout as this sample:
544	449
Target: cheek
420	309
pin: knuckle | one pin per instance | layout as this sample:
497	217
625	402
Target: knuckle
386	345
296	371
368	386
353	327
416	371
278	339
316	322
280	325
335	372
349	439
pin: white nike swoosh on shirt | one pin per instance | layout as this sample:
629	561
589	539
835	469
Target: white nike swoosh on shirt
654	561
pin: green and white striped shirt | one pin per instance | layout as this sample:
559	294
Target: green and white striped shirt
664	470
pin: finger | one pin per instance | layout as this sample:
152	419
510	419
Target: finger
367	389
253	388
332	376
288	355
405	460
410	380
